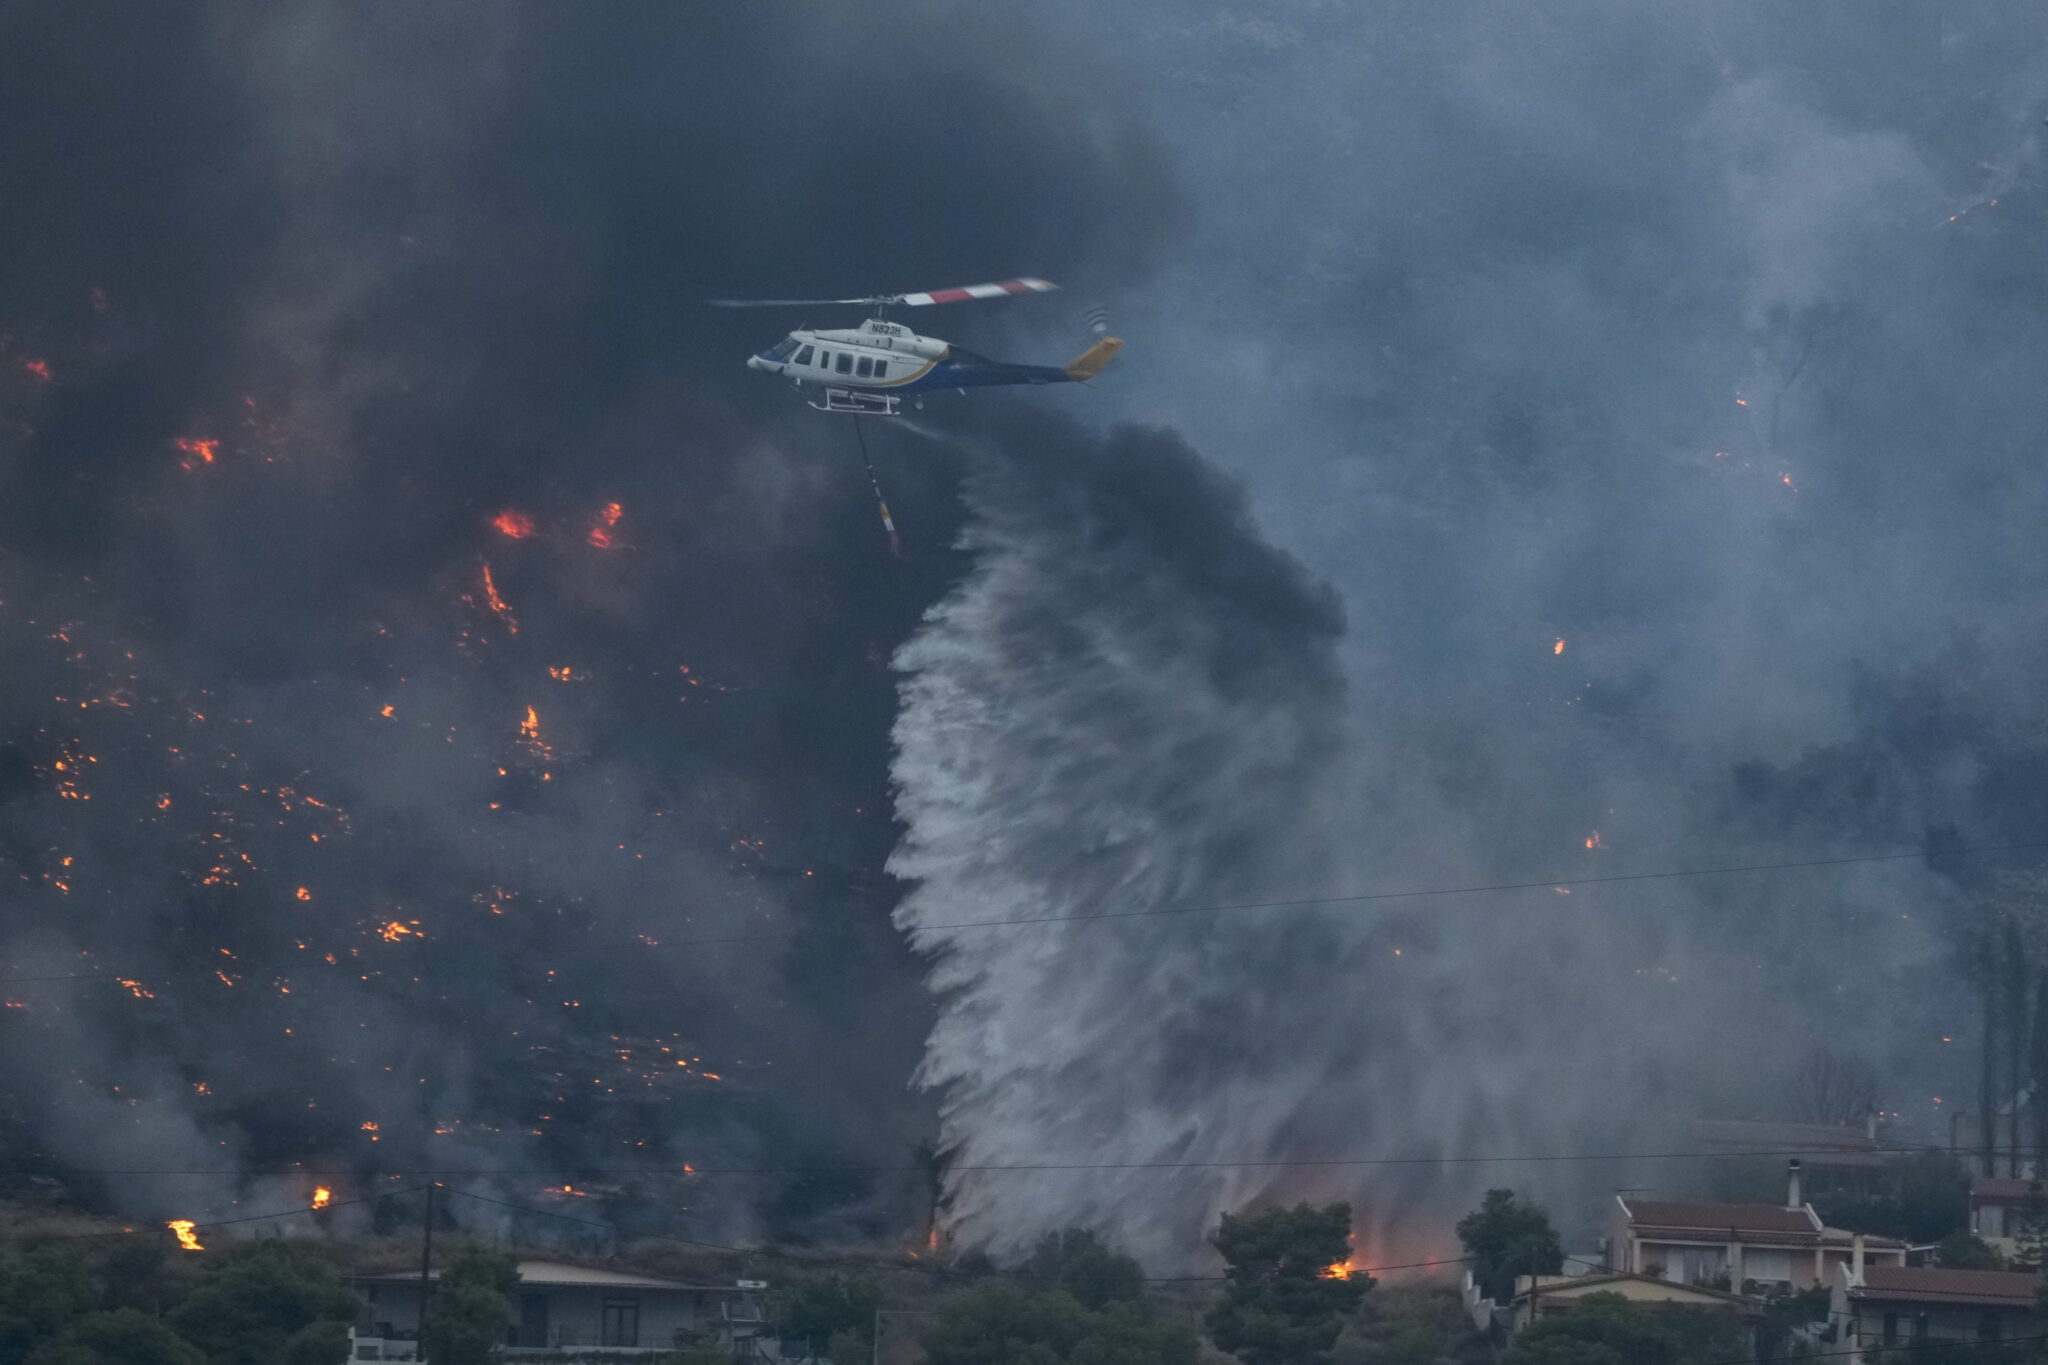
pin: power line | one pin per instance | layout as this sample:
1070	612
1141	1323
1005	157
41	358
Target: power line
755	1251
1359	898
1898	1149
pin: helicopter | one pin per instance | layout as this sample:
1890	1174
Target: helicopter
869	369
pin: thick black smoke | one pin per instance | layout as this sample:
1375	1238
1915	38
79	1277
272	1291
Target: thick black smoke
421	633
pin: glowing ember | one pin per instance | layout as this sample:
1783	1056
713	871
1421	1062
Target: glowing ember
386	712
135	988
1593	839
322	1196
369	1125
601	534
39	368
188	1238
304	894
516	525
197	452
392	931
1558	648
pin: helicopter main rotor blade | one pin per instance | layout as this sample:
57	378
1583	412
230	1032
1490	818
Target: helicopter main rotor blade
788	303
1000	289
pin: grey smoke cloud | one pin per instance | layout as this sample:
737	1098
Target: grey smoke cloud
1642	331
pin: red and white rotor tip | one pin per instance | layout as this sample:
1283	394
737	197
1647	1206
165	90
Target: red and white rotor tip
978	291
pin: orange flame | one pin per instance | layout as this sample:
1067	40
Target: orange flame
1593	839
39	368
1558	648
516	525
197	451
304	894
322	1196
394	930
188	1239
601	534
498	604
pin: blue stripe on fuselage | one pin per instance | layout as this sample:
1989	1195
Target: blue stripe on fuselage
950	374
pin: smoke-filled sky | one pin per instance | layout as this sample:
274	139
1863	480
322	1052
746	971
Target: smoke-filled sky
1552	443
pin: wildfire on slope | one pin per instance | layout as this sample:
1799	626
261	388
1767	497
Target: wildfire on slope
187	1234
513	525
601	532
322	1196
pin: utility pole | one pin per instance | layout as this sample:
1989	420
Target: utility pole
426	1260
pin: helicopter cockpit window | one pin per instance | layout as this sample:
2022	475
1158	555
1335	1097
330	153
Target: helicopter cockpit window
803	357
782	349
843	362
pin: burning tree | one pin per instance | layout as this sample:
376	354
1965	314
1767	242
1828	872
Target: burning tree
1291	1282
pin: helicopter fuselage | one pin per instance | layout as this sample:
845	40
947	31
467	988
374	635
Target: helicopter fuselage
890	358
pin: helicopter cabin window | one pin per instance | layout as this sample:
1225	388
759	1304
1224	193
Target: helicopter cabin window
843	363
864	368
881	368
803	357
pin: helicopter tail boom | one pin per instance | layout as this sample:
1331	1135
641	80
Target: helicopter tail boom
1089	363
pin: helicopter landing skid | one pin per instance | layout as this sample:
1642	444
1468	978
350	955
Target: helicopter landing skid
859	402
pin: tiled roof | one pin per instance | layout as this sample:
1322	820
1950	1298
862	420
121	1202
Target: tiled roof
1719	1218
1963	1288
1998	1189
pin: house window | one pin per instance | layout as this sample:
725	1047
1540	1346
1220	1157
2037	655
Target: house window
803	357
1891	1328
865	368
1759	1264
621	1323
1919	1327
843	363
1990	1327
1991	1220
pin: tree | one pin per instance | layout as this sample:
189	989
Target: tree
1922	1198
253	1306
999	1322
1079	1262
1832	1089
822	1312
41	1293
1964	1250
1288	1288
471	1307
122	1337
1606	1329
1504	1239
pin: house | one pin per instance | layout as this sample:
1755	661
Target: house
557	1304
1558	1294
2000	1207
1889	1306
1837	1159
1747	1248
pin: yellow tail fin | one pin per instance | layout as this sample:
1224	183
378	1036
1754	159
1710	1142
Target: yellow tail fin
1089	363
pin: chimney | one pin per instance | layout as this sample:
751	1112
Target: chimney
1793	1193
1856	1257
